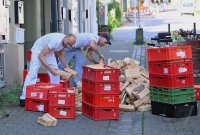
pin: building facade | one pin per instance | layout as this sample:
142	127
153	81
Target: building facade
30	19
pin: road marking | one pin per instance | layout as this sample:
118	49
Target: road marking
120	51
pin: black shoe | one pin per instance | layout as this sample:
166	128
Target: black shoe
22	102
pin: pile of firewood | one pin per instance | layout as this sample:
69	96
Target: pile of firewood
78	98
134	85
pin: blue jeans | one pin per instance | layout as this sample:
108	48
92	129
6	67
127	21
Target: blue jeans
77	56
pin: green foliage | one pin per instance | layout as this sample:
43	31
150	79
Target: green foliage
113	23
10	94
115	5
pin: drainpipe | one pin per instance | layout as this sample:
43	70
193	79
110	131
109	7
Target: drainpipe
94	27
53	16
60	16
67	22
139	12
80	20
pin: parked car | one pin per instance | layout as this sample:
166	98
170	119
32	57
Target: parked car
188	8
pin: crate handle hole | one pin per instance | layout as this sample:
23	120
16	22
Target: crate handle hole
107	72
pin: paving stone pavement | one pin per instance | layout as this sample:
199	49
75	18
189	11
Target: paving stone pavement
158	125
21	122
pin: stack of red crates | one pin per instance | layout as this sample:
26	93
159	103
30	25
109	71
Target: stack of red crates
62	103
37	96
170	67
100	93
51	98
170	73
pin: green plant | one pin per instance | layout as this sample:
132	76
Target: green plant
115	5
113	23
10	94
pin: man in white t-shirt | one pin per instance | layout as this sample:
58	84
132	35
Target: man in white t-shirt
88	41
43	53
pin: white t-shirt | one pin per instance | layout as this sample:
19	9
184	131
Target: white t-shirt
83	40
52	40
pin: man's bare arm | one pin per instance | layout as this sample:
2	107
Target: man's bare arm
42	55
94	47
62	59
90	56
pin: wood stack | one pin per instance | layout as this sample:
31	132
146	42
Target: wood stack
79	97
134	85
67	73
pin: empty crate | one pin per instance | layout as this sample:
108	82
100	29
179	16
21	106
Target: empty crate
62	112
99	113
174	111
100	87
171	81
36	105
62	97
100	100
171	67
169	53
172	96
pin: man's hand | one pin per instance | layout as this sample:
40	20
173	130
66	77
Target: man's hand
53	71
66	67
101	57
62	59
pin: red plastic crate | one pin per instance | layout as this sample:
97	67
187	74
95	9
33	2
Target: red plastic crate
62	112
172	81
65	83
28	53
42	77
63	97
100	88
171	67
100	113
100	100
36	105
109	74
40	91
169	53
197	91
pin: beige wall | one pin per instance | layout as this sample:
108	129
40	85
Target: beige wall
14	53
14	63
32	23
47	16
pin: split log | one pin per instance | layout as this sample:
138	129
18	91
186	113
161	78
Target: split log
143	93
141	101
70	71
143	108
127	107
